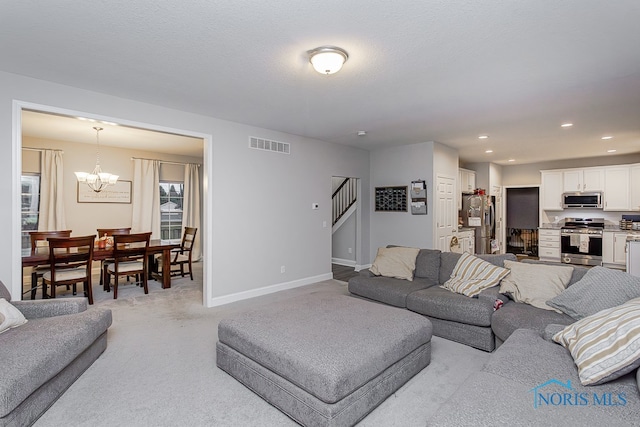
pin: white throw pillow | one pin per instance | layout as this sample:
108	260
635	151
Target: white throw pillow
11	317
535	284
397	262
471	275
605	345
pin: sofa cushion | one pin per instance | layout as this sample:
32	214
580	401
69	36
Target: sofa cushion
428	264
387	289
10	317
599	289
443	304
471	275
515	315
535	284
507	391
4	292
605	345
398	262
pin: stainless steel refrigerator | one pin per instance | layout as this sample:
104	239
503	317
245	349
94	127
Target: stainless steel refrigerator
478	212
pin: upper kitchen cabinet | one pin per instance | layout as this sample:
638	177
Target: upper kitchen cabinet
634	204
552	183
467	180
589	179
616	188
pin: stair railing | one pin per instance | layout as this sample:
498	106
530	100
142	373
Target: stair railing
343	198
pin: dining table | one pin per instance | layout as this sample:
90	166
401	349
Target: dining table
40	255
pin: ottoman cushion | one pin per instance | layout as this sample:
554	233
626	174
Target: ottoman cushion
326	347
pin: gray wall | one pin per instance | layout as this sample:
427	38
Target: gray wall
259	212
345	238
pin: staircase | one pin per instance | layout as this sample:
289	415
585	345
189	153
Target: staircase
343	199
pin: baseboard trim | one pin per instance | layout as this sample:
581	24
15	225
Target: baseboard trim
342	261
239	296
362	267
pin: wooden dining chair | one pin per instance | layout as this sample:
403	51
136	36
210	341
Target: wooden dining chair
109	232
70	260
39	242
129	259
183	255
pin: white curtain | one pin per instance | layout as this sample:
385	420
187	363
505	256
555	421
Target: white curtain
51	215
191	205
146	197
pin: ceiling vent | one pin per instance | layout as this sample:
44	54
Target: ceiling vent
268	145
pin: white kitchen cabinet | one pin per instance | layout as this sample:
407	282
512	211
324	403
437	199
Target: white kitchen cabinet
552	189
467	180
589	179
614	249
549	244
616	188
634	203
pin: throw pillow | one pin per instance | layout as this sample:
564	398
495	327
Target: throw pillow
11	317
599	289
471	275
606	345
398	262
535	284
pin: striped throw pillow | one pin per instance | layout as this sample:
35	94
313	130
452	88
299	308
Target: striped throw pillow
605	345
471	275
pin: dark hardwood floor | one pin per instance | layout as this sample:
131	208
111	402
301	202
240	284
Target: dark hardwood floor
340	272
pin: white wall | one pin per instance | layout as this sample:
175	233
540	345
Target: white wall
258	212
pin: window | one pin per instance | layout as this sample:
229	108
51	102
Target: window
171	196
30	185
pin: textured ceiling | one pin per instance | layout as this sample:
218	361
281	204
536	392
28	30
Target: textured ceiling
430	70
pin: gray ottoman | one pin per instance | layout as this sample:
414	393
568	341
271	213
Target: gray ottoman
324	360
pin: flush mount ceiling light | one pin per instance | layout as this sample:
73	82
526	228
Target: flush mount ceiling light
566	125
483	137
607	137
327	59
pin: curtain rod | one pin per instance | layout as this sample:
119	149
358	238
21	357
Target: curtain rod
40	149
166	161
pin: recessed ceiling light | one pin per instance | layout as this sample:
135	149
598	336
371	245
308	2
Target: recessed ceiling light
489	151
483	137
611	151
607	137
566	125
511	160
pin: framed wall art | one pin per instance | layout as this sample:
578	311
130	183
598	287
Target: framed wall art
120	192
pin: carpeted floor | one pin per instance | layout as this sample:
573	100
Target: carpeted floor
159	368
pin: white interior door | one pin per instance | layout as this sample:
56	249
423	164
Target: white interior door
446	213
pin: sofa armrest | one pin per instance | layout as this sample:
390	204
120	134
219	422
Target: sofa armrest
49	308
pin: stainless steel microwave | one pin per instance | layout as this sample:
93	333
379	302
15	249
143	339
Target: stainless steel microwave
582	200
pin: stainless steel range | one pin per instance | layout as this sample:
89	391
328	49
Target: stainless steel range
581	241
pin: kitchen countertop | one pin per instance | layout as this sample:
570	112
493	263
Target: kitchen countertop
462	229
550	226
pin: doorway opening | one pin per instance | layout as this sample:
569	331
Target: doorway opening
523	216
345	227
51	113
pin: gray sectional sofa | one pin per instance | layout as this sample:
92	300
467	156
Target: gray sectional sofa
43	357
529	380
454	316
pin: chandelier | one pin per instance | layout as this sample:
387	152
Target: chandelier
97	180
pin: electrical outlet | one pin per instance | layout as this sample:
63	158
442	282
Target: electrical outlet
350	250
282	269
